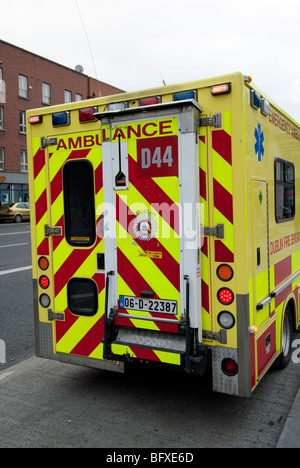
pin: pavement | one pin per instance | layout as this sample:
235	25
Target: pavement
290	436
36	391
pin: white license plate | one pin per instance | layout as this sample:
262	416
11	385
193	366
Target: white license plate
143	304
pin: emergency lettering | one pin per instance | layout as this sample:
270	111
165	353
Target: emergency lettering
85	141
155	128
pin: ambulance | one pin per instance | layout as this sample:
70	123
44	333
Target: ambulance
165	230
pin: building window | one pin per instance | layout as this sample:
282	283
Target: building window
78	97
284	190
46	93
68	96
23	86
22	122
1	159
24	163
1	118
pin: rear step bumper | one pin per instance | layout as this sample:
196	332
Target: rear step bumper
154	348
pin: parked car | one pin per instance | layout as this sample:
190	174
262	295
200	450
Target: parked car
17	212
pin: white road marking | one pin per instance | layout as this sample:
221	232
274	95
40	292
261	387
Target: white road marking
6	374
12	245
15	270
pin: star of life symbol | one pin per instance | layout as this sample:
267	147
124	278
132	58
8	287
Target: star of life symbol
144	226
259	146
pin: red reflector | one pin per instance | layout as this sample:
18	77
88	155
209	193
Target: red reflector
35	119
221	89
44	282
225	296
229	367
149	101
87	114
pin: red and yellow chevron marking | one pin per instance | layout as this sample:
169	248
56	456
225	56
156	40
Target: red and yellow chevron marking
147	354
136	270
204	212
74	335
222	188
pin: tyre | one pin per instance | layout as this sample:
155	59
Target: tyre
18	218
286	340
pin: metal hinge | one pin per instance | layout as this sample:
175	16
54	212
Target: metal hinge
52	231
217	231
48	142
215	121
221	336
55	315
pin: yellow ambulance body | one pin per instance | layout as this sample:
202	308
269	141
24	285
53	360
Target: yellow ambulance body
166	230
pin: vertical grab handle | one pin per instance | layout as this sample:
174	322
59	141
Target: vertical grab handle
188	329
105	340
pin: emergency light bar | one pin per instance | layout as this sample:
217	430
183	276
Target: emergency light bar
87	114
221	89
150	101
35	119
61	118
113	106
183	95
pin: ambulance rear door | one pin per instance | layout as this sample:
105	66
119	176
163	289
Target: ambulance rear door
152	230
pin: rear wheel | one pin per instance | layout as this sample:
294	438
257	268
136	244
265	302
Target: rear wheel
286	340
18	218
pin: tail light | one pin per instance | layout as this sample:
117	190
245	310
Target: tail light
225	296
44	281
229	367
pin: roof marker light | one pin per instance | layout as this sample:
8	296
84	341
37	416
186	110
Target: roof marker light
61	118
87	114
265	107
224	88
182	95
255	99
150	101
35	119
114	106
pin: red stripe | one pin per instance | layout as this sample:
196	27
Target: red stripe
38	162
63	326
79	154
222	253
43	248
155	196
137	283
202	181
167	264
143	353
70	266
56	186
205	295
221	143
282	270
98	178
130	275
91	340
57	239
223	200
41	206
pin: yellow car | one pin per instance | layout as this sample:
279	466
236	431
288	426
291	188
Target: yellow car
17	212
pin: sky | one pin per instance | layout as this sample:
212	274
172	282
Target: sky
136	44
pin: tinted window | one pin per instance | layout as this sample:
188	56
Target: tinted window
78	177
82	296
284	190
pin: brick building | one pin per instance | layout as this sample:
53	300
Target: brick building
29	81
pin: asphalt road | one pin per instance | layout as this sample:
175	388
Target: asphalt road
51	404
16	300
